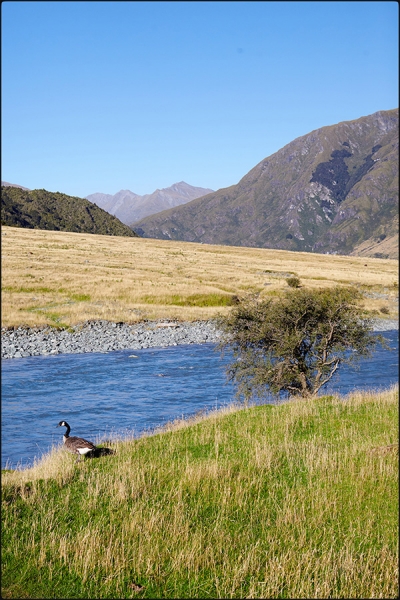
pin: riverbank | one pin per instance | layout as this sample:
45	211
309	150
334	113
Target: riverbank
106	336
298	500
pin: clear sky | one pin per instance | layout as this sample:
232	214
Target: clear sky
103	96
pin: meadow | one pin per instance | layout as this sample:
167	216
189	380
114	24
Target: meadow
297	500
60	279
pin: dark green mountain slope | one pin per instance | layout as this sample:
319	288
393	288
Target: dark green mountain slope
328	191
39	209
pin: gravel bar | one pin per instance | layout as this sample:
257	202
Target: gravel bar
105	336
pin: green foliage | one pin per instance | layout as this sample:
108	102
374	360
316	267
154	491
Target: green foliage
295	344
40	209
293	282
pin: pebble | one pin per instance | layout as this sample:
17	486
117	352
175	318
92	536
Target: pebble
385	324
105	336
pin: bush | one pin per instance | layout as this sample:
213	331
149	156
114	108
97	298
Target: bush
293	282
295	344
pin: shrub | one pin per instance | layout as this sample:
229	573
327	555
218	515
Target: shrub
293	282
297	343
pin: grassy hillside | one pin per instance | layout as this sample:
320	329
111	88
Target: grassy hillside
298	500
53	277
40	209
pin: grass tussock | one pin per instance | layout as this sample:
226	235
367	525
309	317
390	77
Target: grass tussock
298	500
60	278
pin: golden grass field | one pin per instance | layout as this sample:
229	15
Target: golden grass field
62	278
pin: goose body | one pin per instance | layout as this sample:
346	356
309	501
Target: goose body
76	445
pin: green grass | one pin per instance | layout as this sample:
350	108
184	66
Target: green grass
46	290
80	297
298	500
26	290
200	300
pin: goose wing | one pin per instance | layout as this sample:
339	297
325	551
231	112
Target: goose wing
79	444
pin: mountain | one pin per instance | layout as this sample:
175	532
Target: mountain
40	209
130	207
119	204
5	184
334	190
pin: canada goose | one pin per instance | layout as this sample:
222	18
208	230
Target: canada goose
74	444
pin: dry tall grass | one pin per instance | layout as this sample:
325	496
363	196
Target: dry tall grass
51	277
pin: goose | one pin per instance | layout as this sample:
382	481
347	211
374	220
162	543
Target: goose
76	445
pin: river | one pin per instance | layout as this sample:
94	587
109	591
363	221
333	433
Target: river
124	393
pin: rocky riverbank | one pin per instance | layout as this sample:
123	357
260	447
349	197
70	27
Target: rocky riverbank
104	336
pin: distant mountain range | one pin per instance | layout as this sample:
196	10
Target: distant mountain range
40	209
129	207
334	190
6	184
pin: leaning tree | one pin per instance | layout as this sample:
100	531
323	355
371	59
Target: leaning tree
295	344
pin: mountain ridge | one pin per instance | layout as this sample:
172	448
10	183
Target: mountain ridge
129	207
6	184
328	191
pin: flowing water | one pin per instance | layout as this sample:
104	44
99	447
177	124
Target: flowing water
124	393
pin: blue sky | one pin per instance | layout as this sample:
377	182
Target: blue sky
103	96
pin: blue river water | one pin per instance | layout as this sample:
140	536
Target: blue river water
125	393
